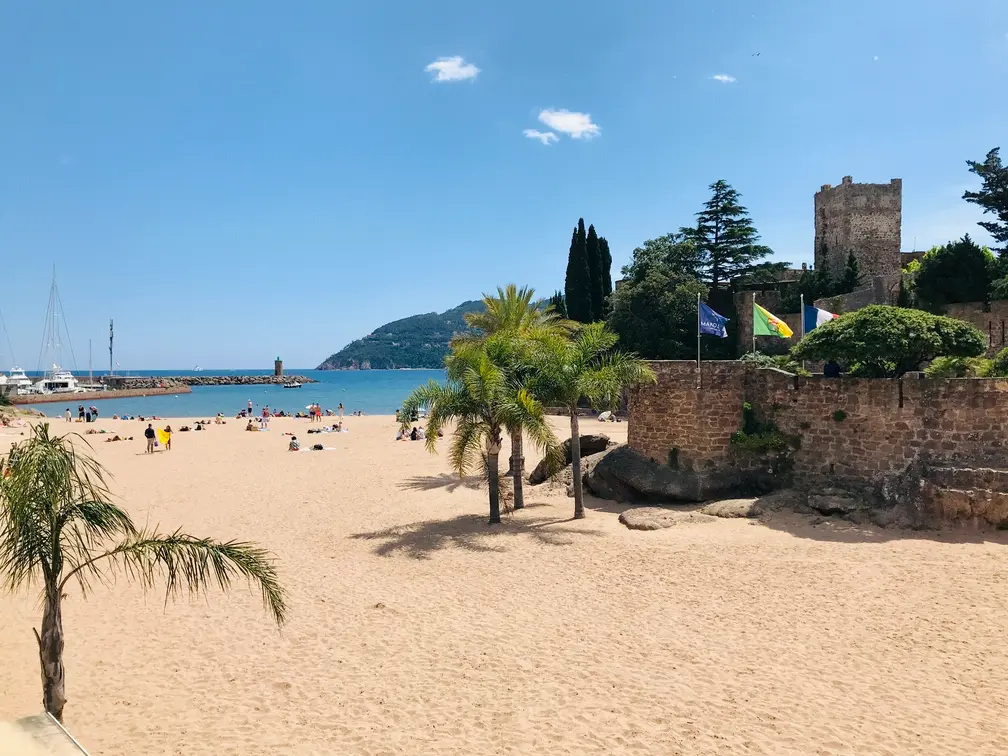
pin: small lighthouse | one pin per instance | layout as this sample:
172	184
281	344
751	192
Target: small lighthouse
278	367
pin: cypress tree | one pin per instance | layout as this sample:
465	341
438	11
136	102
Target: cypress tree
576	283
594	274
559	304
606	271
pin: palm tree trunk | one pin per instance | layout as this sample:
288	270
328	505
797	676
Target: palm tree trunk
579	511
50	644
517	469
493	458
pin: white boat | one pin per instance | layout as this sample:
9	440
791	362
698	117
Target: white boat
292	384
18	379
58	381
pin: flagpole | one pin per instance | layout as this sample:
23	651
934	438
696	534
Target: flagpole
802	319
754	323
698	339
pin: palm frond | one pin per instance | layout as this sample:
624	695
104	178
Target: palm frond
190	564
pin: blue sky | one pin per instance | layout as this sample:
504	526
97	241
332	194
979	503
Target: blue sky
236	180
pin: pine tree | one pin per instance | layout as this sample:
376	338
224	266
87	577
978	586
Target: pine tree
559	304
726	238
993	196
577	281
594	274
851	277
606	271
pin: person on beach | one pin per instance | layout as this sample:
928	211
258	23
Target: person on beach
69	418
294	444
340	410
149	435
166	438
413	434
250	408
80	413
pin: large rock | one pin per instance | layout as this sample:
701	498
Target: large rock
624	475
832	501
591	443
657	518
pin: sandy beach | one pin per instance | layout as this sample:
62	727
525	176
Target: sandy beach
416	629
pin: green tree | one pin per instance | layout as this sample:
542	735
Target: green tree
680	253
850	280
595	293
727	240
885	342
607	286
585	367
576	285
993	195
654	314
960	271
481	400
559	304
58	525
513	313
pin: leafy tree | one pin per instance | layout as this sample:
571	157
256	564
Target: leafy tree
481	400
576	285
559	304
515	314
885	342
58	525
680	253
959	367
594	255
960	271
727	240
654	313
607	287
585	367
1000	364
993	195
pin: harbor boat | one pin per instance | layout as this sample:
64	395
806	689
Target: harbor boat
292	384
17	378
58	381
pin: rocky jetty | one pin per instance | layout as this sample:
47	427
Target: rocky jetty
167	381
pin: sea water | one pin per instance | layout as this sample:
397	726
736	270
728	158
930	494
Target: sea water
376	392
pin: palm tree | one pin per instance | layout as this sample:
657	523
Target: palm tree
58	523
482	401
585	367
515	312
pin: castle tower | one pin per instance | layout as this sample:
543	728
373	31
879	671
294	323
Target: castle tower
278	367
865	219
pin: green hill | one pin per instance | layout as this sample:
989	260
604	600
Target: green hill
420	341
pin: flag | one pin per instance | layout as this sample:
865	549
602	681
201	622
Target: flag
767	324
814	317
712	323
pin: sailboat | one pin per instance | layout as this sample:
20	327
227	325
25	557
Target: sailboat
56	379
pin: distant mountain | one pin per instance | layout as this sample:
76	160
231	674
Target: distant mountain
420	341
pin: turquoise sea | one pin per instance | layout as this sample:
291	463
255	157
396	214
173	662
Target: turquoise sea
376	392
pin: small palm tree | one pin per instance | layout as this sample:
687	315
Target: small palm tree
585	367
482	401
58	523
516	313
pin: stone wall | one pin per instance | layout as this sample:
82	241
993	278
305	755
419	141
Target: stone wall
865	219
990	318
853	429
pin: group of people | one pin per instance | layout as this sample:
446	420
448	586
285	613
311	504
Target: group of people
417	434
155	436
89	415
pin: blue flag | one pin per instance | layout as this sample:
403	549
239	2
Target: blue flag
712	323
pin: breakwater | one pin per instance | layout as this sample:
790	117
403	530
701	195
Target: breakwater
72	400
167	381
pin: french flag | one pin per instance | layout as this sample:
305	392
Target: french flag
814	317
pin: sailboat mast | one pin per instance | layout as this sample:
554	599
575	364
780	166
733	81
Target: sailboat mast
90	375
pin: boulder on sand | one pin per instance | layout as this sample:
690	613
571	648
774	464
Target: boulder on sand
591	443
624	475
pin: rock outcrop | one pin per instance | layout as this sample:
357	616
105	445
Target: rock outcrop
591	443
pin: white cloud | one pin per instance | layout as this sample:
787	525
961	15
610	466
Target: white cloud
546	137
576	125
452	69
724	78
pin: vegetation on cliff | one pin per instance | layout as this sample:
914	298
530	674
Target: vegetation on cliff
419	341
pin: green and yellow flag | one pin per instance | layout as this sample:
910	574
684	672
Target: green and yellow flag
766	323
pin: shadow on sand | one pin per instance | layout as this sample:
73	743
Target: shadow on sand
838	530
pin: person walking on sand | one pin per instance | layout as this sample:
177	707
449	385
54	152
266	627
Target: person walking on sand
250	408
167	437
149	435
69	418
340	410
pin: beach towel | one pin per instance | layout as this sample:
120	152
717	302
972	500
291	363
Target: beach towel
163	437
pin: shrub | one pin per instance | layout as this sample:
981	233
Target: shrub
960	367
780	362
885	342
759	437
999	367
839	415
960	271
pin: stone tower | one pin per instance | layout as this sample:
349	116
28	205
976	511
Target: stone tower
278	367
861	218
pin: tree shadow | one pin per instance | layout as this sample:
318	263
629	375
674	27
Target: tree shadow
447	481
419	540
